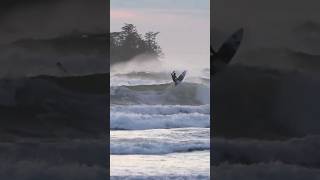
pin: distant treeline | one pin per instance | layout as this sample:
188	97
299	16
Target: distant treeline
128	43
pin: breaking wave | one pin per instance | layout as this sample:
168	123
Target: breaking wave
184	94
132	121
161	141
162	110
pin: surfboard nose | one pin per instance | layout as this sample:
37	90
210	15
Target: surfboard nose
226	52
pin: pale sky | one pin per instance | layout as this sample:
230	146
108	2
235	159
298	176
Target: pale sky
184	27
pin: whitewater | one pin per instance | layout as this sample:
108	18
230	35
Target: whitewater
157	130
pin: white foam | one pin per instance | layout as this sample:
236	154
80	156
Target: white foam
191	165
159	141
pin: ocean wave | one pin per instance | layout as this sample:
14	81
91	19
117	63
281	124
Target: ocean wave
162	110
133	121
159	177
274	103
270	170
189	165
160	141
39	107
302	151
184	94
151	78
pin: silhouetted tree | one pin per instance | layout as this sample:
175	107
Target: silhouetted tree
128	43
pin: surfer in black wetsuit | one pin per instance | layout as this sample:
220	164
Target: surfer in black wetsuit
179	79
174	77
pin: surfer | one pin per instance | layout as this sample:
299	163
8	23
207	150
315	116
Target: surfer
177	80
174	77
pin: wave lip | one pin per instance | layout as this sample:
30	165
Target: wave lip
160	141
133	121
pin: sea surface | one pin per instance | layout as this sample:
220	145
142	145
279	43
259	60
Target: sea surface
158	130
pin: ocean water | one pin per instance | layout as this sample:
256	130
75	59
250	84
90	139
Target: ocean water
159	131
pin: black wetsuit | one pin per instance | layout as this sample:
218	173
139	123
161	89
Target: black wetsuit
174	77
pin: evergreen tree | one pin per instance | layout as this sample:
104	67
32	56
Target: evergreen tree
128	43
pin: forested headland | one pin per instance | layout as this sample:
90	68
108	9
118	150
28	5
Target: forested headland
129	43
